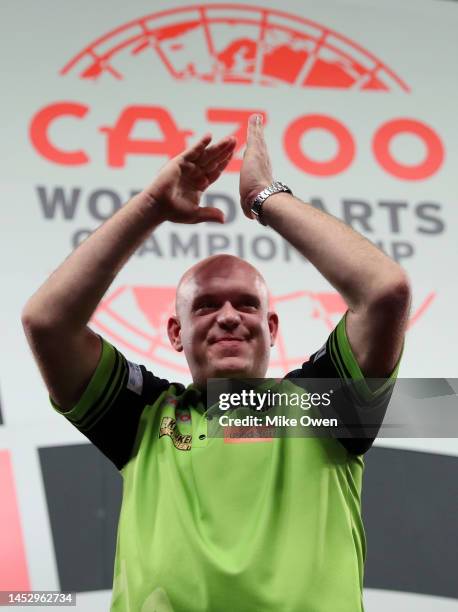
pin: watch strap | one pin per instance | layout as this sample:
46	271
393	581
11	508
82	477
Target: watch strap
256	204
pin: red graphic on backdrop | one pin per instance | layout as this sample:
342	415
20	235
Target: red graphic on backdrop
230	43
135	318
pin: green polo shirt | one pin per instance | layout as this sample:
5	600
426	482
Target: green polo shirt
256	525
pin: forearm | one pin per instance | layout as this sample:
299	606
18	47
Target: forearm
356	268
71	294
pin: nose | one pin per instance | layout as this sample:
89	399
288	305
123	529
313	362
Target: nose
228	317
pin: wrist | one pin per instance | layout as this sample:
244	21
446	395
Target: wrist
272	205
257	205
253	193
150	206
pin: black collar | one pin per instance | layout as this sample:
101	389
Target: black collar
192	395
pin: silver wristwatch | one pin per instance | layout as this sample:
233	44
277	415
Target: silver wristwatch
256	204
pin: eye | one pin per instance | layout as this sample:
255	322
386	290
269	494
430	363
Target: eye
208	305
248	306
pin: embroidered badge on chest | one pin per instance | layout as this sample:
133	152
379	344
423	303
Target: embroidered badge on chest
169	428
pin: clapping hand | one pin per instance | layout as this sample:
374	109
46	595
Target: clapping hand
178	187
256	172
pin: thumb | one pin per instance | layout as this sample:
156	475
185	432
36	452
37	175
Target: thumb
208	213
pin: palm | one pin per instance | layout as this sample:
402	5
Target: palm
256	172
192	183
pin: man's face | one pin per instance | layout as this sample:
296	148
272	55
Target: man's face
222	322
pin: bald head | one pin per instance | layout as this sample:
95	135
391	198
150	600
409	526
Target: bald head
222	322
216	267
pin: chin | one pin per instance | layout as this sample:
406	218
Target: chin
231	368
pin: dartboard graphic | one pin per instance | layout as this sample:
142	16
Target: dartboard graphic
135	318
229	43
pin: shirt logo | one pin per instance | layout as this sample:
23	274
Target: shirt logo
135	382
169	428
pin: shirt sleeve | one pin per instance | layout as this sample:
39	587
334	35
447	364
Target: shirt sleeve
108	412
357	401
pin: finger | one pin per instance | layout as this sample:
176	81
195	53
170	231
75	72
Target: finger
214	173
195	151
208	213
219	150
210	164
224	143
224	158
255	129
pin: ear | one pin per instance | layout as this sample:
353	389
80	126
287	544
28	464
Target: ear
174	333
272	318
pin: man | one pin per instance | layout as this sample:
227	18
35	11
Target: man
206	525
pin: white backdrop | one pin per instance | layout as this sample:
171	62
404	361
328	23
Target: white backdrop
360	65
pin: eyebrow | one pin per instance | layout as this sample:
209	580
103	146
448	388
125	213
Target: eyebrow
213	296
